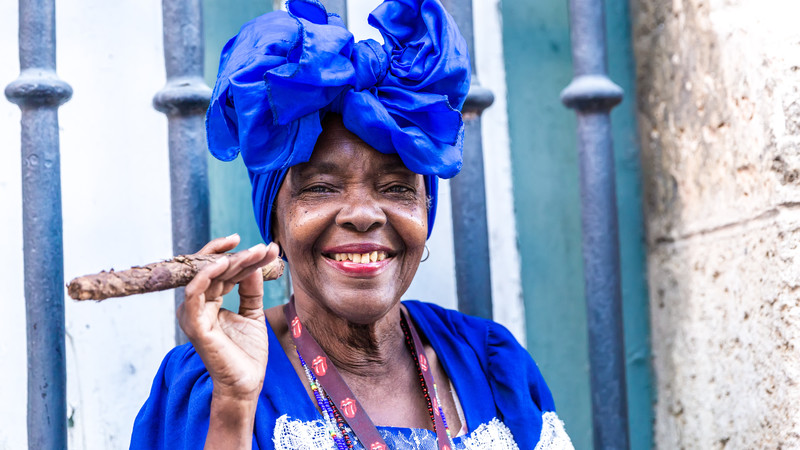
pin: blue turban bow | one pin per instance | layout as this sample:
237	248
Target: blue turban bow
285	70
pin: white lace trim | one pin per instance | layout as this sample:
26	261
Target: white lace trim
494	435
553	436
301	435
419	439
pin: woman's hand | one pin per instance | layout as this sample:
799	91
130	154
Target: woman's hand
233	347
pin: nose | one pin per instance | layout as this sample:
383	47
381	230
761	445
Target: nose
361	212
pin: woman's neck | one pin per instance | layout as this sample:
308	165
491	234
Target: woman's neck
357	350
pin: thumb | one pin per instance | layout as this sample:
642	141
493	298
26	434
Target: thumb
251	295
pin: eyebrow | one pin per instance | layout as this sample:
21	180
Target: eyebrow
323	167
307	169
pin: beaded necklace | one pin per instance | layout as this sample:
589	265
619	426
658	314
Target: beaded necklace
331	390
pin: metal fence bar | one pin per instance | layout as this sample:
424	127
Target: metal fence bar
338	7
468	192
592	94
184	100
39	92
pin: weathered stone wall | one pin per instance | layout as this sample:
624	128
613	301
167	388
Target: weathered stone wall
719	111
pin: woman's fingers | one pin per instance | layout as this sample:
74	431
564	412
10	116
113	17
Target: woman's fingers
203	296
242	263
251	285
197	294
251	296
220	245
260	256
219	278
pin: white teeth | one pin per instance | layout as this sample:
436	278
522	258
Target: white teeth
360	257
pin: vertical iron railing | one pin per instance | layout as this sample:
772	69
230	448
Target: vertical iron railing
592	94
468	192
338	7
39	92
184	100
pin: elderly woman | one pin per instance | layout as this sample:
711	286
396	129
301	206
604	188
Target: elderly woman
344	143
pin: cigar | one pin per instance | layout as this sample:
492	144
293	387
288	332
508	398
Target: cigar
159	276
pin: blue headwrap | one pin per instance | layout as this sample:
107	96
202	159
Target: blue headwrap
285	70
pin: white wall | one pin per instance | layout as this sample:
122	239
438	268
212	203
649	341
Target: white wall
115	189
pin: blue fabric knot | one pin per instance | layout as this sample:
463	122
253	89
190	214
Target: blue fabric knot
370	63
284	70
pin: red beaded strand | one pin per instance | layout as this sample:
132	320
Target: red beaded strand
412	350
340	422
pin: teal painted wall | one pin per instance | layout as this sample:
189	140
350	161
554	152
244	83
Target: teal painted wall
635	298
231	207
545	173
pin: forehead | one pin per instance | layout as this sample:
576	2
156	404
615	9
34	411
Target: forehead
339	150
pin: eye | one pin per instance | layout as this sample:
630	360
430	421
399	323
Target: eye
318	189
399	189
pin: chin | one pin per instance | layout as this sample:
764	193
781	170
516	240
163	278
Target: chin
362	307
359	306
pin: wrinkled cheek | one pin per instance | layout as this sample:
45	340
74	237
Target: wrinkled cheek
413	228
301	229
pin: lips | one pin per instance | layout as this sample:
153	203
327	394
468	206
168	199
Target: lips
362	259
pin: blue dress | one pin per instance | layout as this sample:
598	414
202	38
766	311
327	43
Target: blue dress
504	399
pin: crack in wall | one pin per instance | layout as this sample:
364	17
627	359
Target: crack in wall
765	215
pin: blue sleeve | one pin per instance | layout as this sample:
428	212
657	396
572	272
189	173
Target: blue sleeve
493	374
520	392
175	416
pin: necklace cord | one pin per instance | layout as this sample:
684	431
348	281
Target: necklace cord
335	399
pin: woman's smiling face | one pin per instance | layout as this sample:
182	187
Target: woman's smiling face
353	224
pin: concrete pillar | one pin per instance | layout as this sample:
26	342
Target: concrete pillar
719	114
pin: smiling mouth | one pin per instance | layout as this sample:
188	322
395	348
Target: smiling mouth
361	258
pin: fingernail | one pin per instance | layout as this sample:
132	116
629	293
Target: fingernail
253	248
232	236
